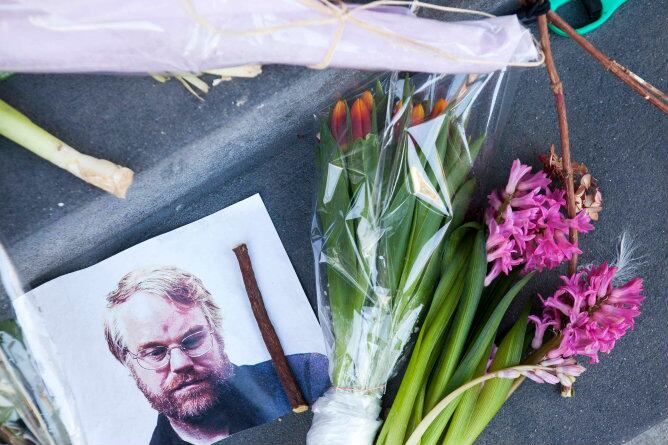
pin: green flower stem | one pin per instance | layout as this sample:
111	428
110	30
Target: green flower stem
418	408
458	171
422	360
458	333
345	295
466	366
415	437
465	408
493	394
443	303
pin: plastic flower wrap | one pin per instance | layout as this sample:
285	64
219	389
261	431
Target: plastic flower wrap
200	35
394	166
27	413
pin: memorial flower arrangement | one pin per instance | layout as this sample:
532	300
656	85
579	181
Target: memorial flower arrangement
397	260
454	399
395	257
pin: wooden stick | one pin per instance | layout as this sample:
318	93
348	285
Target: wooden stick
269	336
648	91
558	91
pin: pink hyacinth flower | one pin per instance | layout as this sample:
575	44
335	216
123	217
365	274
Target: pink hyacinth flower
593	312
527	224
517	172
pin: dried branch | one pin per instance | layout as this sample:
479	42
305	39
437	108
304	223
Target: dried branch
648	91
558	91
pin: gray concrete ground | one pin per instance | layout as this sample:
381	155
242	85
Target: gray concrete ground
657	435
256	135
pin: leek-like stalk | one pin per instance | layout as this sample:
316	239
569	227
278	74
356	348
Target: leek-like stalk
101	173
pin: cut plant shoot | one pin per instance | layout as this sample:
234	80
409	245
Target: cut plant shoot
101	173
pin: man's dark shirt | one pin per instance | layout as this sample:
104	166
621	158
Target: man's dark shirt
255	395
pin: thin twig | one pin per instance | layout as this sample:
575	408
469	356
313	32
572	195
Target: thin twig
645	89
269	336
558	91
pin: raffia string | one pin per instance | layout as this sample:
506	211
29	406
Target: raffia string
342	14
361	390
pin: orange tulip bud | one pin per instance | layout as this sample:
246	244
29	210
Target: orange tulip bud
338	123
438	108
360	117
397	107
367	97
417	117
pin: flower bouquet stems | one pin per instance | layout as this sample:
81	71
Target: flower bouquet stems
27	414
394	167
451	399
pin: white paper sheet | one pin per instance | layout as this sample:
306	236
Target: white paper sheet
62	319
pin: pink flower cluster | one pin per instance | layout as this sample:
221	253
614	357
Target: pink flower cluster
527	225
552	371
590	313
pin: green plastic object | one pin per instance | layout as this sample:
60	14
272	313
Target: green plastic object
609	7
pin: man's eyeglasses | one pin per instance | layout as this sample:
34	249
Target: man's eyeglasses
157	357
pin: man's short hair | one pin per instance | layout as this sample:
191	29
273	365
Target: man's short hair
178	286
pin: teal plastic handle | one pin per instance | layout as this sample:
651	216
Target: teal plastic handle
609	7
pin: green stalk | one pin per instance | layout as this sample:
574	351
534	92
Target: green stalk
345	295
460	325
467	365
492	296
364	153
395	427
455	395
460	169
418	408
427	220
397	217
397	220
466	406
461	202
454	153
101	173
443	303
495	392
486	334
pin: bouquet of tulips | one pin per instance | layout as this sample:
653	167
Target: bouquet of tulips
394	166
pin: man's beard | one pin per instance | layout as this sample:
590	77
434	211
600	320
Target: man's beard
190	404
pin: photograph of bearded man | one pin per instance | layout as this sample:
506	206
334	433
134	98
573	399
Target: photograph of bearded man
165	327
